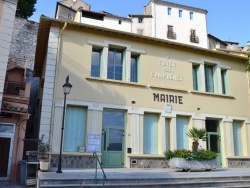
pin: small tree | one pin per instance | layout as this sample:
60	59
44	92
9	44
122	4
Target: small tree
43	148
196	135
25	8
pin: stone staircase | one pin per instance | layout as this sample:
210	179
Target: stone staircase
180	182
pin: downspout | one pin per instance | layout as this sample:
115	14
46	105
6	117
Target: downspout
56	76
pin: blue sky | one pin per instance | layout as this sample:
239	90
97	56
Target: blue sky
227	20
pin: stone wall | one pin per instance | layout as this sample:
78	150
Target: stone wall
73	161
23	41
238	163
148	163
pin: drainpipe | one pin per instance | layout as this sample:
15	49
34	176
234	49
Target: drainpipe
56	75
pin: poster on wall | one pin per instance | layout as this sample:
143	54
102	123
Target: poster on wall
94	143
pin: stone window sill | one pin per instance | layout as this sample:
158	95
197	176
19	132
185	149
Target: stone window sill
114	81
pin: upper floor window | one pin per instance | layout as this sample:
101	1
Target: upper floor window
196	77
191	15
115	64
169	10
96	62
180	13
224	85
210	78
140	20
134	68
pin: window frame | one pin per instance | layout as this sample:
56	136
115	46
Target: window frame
237	137
71	133
224	82
180	13
169	11
191	15
196	77
182	143
93	71
135	70
210	74
114	64
149	142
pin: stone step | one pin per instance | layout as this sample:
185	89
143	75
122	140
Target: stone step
184	184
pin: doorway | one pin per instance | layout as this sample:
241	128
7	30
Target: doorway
113	138
214	138
4	157
6	147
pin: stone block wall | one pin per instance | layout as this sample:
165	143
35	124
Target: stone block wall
148	163
238	163
73	161
24	39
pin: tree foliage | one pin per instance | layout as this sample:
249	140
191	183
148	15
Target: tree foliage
196	135
248	61
25	8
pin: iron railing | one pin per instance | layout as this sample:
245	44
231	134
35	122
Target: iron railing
171	35
194	39
12	88
104	176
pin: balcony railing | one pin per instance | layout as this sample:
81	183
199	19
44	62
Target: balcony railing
12	88
194	39
171	35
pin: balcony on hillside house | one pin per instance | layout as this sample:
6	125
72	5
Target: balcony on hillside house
194	39
171	35
16	91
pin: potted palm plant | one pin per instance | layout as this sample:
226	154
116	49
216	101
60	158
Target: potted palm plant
43	148
196	134
197	159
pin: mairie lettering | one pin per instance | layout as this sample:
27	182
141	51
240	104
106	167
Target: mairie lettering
168	98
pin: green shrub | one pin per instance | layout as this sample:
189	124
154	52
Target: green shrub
200	154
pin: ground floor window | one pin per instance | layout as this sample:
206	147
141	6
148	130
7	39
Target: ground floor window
150	134
75	128
237	137
181	132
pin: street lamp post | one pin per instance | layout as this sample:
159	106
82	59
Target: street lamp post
66	90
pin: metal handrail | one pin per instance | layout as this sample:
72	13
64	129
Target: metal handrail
104	176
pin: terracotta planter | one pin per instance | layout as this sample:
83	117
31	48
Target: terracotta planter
187	165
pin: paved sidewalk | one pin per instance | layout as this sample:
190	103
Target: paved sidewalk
10	184
134	173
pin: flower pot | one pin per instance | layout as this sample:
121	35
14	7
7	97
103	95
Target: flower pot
44	166
187	165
